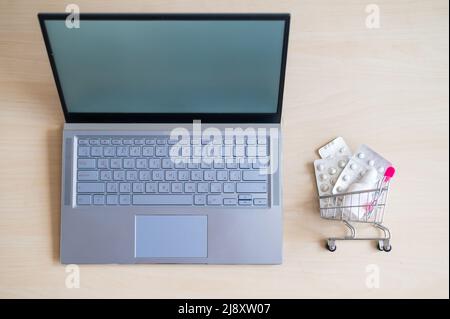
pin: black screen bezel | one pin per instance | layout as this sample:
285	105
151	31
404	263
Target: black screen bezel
77	117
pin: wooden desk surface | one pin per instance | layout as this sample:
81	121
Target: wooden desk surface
385	87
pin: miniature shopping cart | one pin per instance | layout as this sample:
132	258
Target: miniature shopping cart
367	206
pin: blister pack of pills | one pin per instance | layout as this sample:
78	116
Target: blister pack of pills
336	147
364	159
328	171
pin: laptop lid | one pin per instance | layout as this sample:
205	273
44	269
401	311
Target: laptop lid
167	68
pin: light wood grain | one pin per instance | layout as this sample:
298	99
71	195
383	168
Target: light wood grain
385	87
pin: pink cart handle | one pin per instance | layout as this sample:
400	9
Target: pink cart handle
390	171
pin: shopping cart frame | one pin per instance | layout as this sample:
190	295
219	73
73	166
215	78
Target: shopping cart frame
368	208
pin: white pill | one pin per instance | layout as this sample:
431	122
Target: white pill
362	173
353	166
371	162
320	167
342	150
381	169
332	171
345	178
361	155
324	187
323	177
339	189
332	181
342	163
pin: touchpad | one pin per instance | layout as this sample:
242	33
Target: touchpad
171	236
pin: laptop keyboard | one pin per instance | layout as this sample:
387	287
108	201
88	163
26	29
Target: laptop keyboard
124	170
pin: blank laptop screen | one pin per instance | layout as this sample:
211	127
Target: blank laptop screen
178	66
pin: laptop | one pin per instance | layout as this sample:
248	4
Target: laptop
172	141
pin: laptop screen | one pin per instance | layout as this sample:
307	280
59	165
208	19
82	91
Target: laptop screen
169	66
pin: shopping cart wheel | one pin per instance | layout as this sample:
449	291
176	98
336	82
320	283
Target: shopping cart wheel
331	245
380	245
384	245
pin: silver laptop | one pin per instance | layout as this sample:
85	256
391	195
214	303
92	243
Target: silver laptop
172	141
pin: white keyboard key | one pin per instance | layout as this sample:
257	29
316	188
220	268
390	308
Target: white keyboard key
94	141
253	176
209	175
141	163
183	175
90	187
148	151
83	199
196	175
135	151
86	163
154	163
171	175
119	175
96	151
125	199
144	175
87	175
260	201
163	187
83	151
125	187
112	199
251	188
102	163
162	199
229	201
235	175
128	163
116	163
228	187
245	202
99	200
161	151
214	200
83	141
138	187
116	141
106	175
222	175
177	187
216	187
112	187
122	151
245	196
203	187
158	175
150	187
132	175
166	163
189	187
199	199
109	151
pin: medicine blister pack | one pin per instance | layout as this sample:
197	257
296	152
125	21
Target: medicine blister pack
336	147
364	159
327	173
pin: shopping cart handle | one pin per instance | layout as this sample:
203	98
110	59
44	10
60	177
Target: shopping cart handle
390	171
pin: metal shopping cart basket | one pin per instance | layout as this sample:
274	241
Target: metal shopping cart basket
367	206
